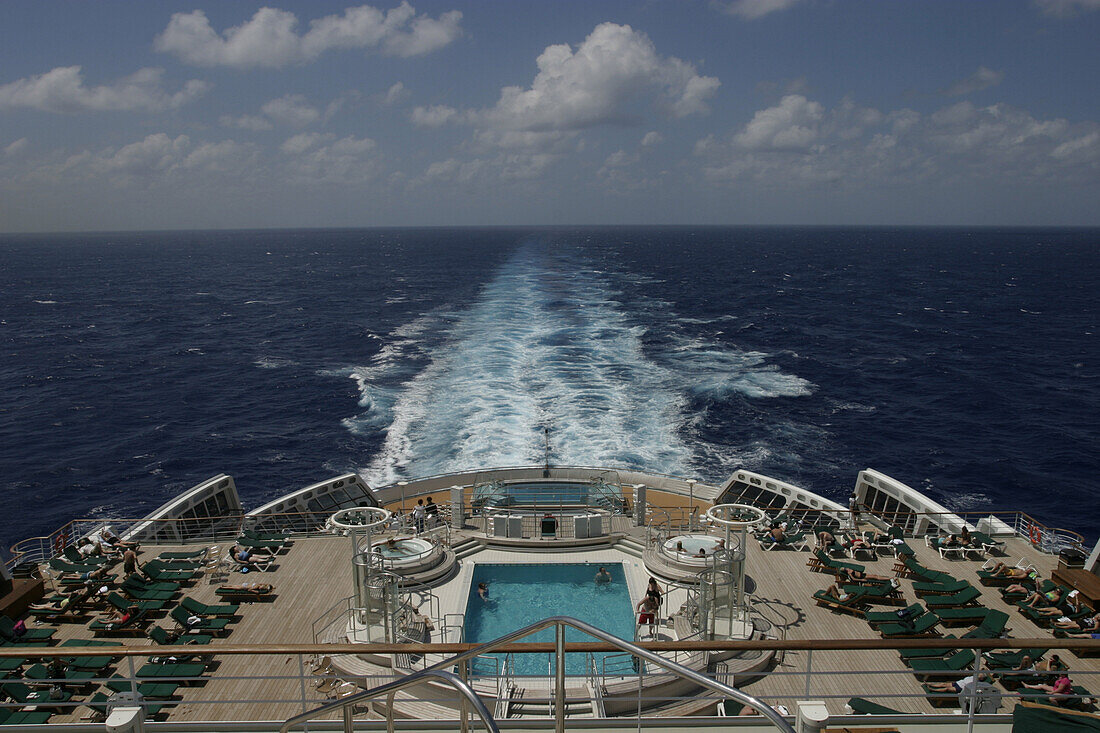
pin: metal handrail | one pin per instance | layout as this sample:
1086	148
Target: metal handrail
559	623
345	705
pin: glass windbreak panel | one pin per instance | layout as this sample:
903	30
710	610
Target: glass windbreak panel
534	495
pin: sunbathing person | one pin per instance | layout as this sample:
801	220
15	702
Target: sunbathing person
854	576
118	617
60	604
248	559
257	588
956	686
855	542
110	538
825	539
776	533
89	575
1004	571
1071	607
1020	588
1062	686
1088	626
838	593
1050	598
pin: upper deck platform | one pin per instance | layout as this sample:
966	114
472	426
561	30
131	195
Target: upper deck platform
313	578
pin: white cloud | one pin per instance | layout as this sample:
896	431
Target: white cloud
753	9
270	38
612	78
792	124
1067	8
800	142
652	138
63	90
304	141
155	153
291	109
247	122
434	116
1086	147
17	147
347	160
395	94
981	79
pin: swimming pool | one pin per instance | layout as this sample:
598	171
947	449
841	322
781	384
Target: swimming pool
521	594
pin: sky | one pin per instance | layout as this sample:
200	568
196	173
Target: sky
208	115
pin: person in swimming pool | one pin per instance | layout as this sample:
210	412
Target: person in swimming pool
483	591
602	576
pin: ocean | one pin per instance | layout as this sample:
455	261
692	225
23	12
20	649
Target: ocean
963	362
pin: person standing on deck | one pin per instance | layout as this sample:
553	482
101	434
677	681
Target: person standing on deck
418	515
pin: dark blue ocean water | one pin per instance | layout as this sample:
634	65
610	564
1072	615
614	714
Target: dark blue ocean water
961	362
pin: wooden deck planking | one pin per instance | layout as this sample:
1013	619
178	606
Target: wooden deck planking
315	573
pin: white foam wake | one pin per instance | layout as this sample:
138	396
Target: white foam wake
546	344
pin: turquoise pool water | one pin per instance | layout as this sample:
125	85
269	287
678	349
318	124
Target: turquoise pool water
520	595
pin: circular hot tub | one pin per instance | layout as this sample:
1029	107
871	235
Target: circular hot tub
685	548
407	554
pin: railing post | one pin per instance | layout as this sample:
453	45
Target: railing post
349	724
974	690
559	678
133	676
302	679
464	675
389	711
809	670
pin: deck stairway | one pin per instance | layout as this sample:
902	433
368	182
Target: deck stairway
580	702
631	546
466	547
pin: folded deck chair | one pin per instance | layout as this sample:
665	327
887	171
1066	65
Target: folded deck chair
147	584
921	626
16	717
861	706
939	589
192	622
989	544
957	662
962	598
203	609
121	603
965	616
194	555
272	546
892	617
161	575
908	567
926	652
266	536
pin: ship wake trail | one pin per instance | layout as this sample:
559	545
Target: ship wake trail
545	345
